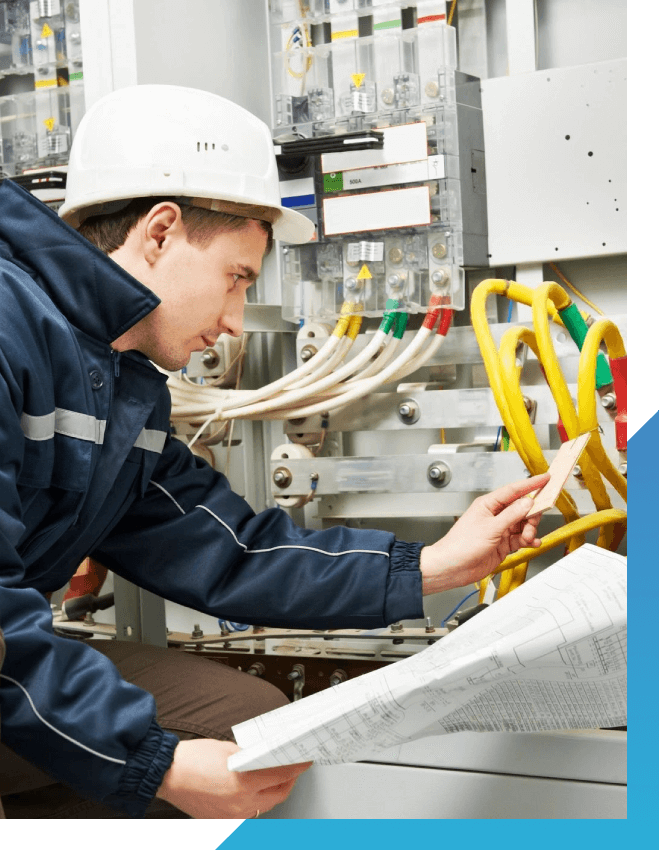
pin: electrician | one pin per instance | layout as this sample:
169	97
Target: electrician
172	203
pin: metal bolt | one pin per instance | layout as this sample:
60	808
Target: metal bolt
429	626
528	403
293	675
408	411
622	469
396	627
282	476
89	620
351	284
439	250
210	358
609	401
440	277
577	472
337	677
395	281
197	632
308	352
439	473
257	669
432	89
395	256
388	96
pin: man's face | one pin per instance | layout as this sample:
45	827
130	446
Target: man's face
202	292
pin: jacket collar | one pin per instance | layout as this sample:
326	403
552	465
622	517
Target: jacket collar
92	291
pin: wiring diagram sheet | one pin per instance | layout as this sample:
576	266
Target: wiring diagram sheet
550	655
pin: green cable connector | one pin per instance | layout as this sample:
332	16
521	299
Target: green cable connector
389	315
400	325
577	328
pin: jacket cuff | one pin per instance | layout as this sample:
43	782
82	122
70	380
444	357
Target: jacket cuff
144	771
404	594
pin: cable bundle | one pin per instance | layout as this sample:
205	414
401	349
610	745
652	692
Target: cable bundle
550	301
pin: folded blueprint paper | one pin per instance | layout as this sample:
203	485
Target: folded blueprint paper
550	655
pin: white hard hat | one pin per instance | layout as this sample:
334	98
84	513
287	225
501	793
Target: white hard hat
172	141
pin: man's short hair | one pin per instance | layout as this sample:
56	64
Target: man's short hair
109	231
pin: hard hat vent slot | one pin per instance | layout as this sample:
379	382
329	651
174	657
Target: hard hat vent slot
206	146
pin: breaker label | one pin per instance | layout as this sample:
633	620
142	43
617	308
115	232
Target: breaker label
403	143
372	252
377	211
385	175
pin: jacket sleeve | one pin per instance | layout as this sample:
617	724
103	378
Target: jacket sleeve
192	540
64	706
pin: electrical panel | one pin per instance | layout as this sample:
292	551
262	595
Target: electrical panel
397	220
41	84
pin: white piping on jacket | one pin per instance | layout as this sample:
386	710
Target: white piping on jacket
272	548
57	731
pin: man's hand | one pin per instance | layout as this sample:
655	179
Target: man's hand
489	530
200	784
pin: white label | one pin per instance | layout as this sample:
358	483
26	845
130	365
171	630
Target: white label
372	252
392	175
296	188
377	211
405	143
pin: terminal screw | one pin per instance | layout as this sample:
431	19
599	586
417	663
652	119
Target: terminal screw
388	97
622	469
609	401
578	474
210	358
408	411
337	677
257	669
396	627
308	352
282	476
432	89
439	250
197	632
395	256
429	626
439	473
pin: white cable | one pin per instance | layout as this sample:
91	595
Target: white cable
363	387
303	392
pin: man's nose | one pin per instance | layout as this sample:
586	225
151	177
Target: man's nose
233	320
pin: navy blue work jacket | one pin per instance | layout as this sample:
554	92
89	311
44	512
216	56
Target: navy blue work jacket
88	467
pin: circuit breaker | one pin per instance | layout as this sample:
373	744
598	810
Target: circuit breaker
399	221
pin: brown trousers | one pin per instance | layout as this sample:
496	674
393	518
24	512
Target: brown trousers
195	698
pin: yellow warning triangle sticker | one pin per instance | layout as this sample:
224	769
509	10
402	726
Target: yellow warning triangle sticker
50	123
364	273
357	79
46	32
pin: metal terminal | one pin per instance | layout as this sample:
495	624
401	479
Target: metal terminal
257	669
439	473
577	472
210	358
439	250
609	401
432	89
395	281
89	620
396	256
337	677
396	627
440	277
282	477
408	411
429	626
197	632
351	284
297	677
308	352
388	96
622	469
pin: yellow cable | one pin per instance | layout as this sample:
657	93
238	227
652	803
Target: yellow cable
555	538
591	476
450	14
574	289
504	376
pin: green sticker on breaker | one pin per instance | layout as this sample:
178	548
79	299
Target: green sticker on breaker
333	182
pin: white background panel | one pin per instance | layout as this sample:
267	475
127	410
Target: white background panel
550	197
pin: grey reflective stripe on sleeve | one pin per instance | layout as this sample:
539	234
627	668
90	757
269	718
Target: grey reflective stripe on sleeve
151	441
80	426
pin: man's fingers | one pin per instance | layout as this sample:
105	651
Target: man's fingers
270	777
504	496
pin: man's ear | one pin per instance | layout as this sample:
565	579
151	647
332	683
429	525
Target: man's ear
161	225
